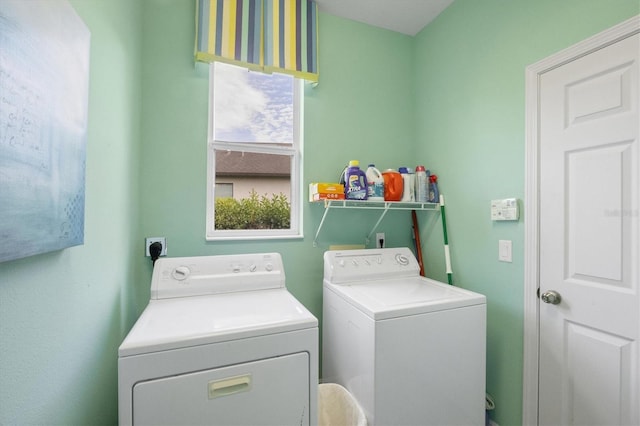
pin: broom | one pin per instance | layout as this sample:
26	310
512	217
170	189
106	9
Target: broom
447	256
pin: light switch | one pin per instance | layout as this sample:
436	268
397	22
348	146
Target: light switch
504	251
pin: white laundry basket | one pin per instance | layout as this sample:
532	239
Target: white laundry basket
337	407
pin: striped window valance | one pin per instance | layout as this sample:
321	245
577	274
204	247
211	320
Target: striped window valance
266	35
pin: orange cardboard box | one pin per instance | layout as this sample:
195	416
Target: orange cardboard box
326	191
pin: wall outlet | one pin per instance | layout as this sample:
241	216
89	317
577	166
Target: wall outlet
380	240
150	240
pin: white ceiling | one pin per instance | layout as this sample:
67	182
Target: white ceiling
403	16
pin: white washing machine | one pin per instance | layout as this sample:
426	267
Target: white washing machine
221	342
410	349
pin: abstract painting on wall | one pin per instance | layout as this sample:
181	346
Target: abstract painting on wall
44	86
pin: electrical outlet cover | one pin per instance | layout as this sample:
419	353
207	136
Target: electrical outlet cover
151	240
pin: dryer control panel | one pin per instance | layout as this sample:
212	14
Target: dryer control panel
343	267
202	275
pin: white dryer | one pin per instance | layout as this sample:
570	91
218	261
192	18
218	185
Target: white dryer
411	350
221	342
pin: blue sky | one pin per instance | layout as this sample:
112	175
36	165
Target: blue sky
252	106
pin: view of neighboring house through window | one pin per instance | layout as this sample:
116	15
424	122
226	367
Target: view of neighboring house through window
254	156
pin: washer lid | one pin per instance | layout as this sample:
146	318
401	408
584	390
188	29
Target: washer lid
385	299
188	321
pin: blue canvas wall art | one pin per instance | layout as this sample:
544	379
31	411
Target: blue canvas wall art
44	83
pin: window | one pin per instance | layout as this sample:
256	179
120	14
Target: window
254	157
223	190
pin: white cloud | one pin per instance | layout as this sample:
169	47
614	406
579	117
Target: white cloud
252	107
235	101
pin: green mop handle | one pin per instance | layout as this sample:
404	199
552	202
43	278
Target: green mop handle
447	255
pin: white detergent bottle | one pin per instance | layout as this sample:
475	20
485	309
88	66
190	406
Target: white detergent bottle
408	189
375	184
412	184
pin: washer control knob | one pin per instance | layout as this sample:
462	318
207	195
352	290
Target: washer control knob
268	267
253	267
181	273
402	259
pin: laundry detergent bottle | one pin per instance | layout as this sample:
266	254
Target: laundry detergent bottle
355	186
408	191
375	184
393	185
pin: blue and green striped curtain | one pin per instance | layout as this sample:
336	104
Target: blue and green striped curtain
266	35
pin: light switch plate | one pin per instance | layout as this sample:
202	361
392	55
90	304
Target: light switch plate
505	209
504	251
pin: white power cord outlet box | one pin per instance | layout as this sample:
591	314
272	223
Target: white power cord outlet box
505	209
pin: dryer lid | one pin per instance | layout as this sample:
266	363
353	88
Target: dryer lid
188	321
392	298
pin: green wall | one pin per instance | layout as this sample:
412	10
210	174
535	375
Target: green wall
362	109
470	81
63	314
451	98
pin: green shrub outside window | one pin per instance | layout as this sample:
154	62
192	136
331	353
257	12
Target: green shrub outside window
254	212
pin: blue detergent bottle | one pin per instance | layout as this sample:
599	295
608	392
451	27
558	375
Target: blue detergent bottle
355	186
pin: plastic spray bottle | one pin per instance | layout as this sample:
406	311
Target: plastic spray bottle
434	195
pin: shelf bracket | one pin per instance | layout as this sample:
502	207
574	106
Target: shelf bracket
324	216
385	206
384	212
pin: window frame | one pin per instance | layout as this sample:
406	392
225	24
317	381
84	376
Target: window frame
295	151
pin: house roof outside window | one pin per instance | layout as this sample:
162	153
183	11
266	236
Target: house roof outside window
252	164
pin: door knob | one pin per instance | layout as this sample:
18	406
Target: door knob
551	296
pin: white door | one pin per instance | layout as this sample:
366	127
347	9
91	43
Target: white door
589	363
